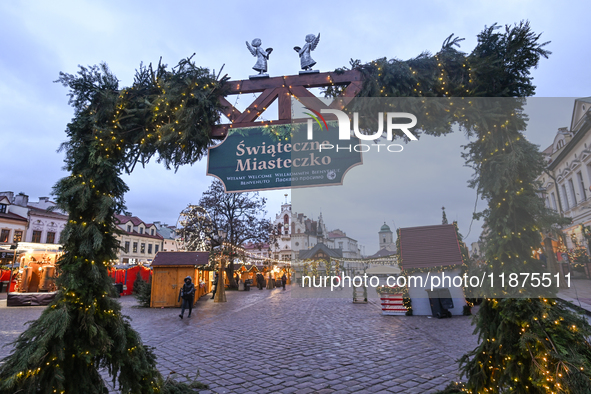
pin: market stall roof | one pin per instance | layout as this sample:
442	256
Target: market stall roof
38	247
382	253
248	267
320	247
180	258
429	246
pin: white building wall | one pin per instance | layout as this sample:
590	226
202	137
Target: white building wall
570	155
12	227
45	225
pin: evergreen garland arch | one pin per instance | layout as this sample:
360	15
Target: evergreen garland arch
527	345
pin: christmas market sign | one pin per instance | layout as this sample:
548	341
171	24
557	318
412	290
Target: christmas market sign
263	158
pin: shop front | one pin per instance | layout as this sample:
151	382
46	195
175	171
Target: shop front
33	274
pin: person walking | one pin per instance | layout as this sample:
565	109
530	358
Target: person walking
260	281
215	285
283	281
187	293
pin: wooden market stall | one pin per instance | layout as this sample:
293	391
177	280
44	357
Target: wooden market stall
248	272
429	251
33	282
6	268
169	270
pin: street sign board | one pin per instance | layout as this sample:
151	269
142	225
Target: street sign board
264	158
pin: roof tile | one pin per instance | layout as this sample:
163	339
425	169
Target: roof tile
429	246
180	258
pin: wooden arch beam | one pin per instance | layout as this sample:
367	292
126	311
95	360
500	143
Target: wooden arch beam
283	89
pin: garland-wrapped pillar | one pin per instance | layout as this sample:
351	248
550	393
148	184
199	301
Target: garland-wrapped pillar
83	330
527	345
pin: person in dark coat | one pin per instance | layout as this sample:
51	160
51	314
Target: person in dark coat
283	281
187	293
215	285
260	281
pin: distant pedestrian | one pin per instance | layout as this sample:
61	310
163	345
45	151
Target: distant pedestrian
187	294
260	281
283	281
215	285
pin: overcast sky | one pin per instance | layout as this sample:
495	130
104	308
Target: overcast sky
40	39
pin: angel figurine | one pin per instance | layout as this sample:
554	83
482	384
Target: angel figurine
306	60
261	54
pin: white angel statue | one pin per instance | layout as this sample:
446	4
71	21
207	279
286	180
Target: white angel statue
306	60
261	54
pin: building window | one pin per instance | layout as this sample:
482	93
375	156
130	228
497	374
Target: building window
135	247
565	197
572	191
50	238
151	231
156	248
553	197
340	245
143	248
18	236
4	235
149	248
582	186
36	236
126	249
128	229
2	208
141	230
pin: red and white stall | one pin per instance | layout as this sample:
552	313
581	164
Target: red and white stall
392	302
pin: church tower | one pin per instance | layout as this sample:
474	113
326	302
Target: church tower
386	238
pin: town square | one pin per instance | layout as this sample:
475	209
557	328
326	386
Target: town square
356	209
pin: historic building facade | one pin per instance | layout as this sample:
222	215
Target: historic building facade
139	241
169	235
567	180
22	220
349	246
45	226
13	222
295	232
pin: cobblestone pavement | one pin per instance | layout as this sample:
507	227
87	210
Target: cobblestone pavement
267	341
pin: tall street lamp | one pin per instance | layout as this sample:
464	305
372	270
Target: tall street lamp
220	290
